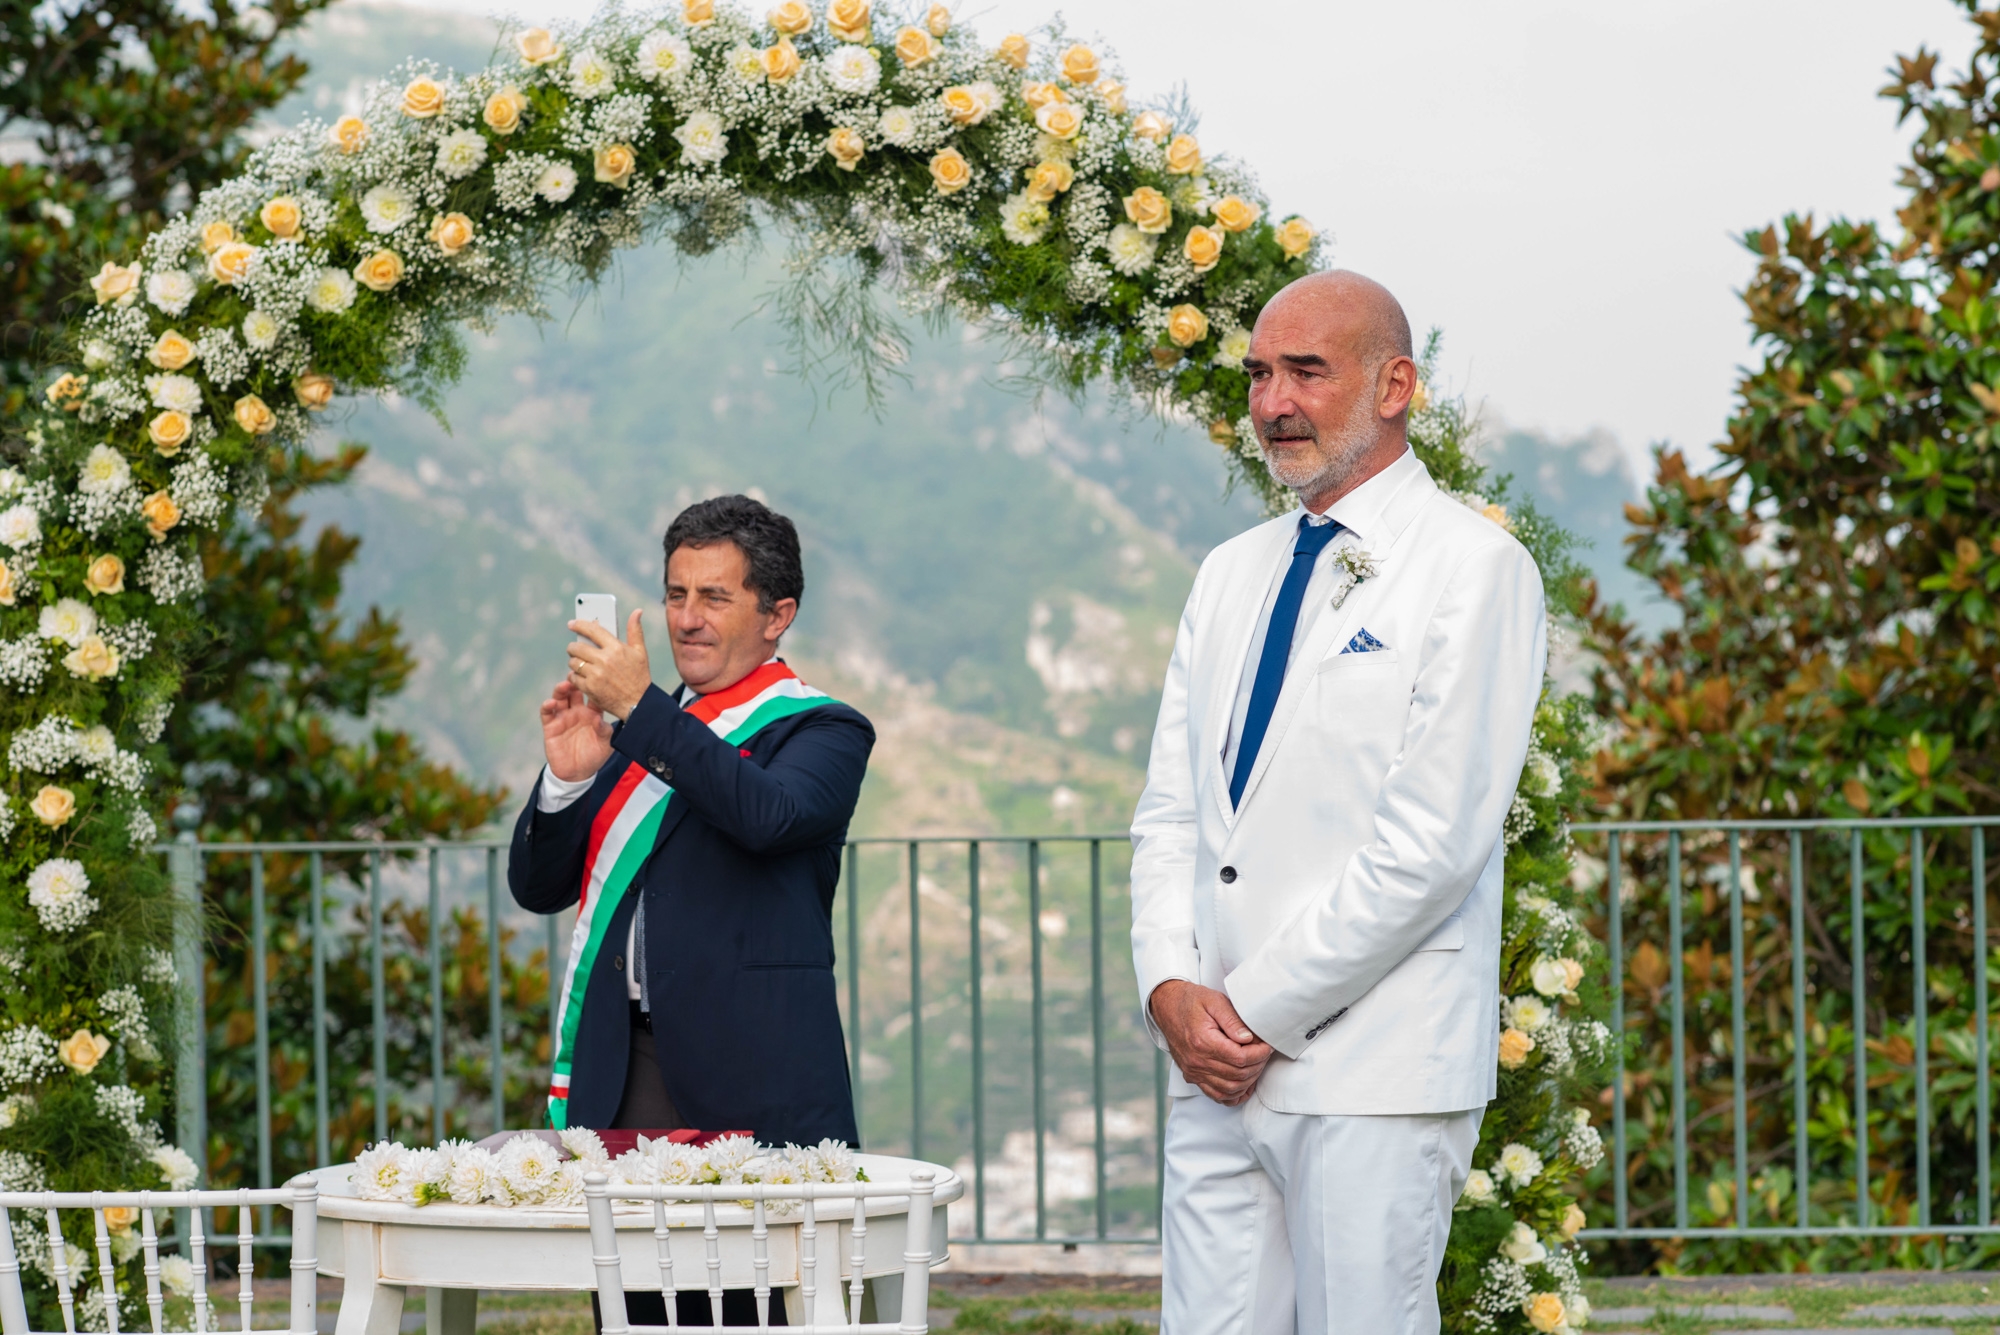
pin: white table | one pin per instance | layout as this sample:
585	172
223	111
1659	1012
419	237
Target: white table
383	1249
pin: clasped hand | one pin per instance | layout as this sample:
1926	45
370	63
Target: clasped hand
606	675
1208	1041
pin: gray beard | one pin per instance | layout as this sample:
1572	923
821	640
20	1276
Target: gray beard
1344	450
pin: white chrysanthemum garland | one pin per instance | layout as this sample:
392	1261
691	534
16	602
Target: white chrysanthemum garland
1011	183
529	1171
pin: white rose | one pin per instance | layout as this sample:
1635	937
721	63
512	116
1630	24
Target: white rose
1023	220
591	75
473	1177
556	183
20	526
1233	348
68	620
177	1275
260	330
1528	1013
332	291
663	56
702	139
1549	977
1518	1164
97	354
460	153
171	290
1131	250
177	392
104	469
898	126
388	206
177	1167
94	746
1578	1310
1478	1188
746	62
1523	1246
854	69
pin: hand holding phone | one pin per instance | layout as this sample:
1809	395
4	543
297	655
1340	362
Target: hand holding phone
599	607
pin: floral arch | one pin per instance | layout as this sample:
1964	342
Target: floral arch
1012	184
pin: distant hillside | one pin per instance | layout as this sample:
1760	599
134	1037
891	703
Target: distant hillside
993	581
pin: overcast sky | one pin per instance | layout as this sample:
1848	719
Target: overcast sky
1556	183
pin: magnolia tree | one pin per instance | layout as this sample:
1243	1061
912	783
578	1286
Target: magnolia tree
1011	184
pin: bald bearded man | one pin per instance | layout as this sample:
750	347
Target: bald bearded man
1317	856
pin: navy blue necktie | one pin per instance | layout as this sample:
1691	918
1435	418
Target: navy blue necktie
1312	540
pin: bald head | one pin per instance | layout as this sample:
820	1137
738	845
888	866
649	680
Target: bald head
1331	377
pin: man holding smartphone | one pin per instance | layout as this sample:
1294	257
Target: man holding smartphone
700	838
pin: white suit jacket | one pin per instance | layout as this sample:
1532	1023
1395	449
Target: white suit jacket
1350	906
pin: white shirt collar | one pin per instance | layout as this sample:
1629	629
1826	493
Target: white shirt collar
1360	510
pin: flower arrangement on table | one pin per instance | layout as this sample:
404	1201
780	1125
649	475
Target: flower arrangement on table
530	1169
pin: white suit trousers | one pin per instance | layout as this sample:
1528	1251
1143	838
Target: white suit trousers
1302	1224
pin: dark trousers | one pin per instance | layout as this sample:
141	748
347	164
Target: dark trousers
645	1107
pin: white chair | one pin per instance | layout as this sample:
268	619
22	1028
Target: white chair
599	1193
301	1196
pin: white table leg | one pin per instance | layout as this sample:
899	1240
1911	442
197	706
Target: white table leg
367	1305
450	1311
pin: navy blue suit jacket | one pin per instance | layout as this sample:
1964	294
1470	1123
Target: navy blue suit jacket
739	908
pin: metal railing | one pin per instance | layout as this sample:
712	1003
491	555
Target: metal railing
983	1031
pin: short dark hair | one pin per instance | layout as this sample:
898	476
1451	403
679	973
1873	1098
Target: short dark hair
768	541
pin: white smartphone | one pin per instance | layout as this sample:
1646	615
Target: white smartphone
599	607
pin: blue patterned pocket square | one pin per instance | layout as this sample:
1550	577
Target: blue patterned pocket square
1363	643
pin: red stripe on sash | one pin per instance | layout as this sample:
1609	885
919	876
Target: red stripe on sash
709	707
606	815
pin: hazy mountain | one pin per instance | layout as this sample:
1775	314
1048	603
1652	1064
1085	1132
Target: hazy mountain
994	581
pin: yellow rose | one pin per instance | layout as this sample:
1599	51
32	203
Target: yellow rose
846	146
1572	1223
1421	399
1060	120
82	1050
1048	179
1203	247
161	514
231	262
114	281
170	431
962	104
171	352
614	167
281	216
938	21
848	20
1183	155
314	390
255	416
1221	432
423	98
215	235
1545	1312
1149	210
1039	95
1186	325
1113	94
67	391
1295	237
950	172
537	46
349	133
782	61
1236	214
1498	514
1079	65
380	271
698	12
1013	51
914	46
791	18
452	232
53	806
6	585
1514	1048
1572	973
120	1218
93	659
503	110
106	575
1151	125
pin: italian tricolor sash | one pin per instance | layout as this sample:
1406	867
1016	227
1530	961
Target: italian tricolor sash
622	835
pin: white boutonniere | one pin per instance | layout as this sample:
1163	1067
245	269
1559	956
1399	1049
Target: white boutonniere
1354	565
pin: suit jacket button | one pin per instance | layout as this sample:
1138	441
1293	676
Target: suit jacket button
618	962
660	768
1229	875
